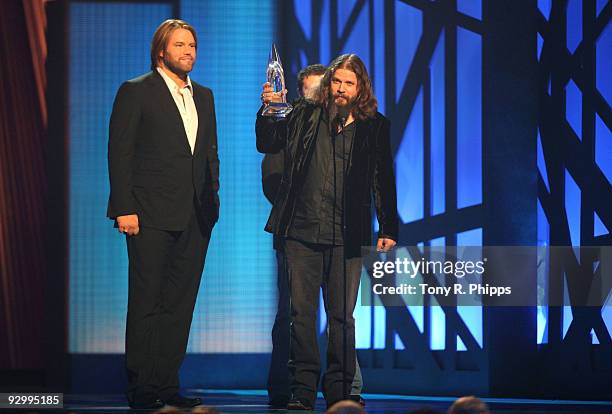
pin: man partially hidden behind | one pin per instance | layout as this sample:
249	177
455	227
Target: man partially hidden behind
337	153
164	179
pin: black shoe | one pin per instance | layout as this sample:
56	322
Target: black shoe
297	404
280	401
178	401
147	405
357	398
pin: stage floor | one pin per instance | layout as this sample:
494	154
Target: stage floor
252	402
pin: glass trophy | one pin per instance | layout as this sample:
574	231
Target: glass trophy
275	75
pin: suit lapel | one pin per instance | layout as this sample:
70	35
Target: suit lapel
168	107
363	133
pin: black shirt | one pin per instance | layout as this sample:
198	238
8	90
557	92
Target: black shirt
319	208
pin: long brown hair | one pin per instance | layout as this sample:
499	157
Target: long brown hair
162	34
365	105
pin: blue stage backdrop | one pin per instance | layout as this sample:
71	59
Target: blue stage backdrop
362	28
437	141
575	124
426	60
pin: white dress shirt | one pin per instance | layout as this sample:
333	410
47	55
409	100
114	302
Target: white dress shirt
183	97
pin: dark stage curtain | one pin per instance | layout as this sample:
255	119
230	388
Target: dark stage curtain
22	184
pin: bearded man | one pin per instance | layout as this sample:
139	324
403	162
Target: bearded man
337	159
164	178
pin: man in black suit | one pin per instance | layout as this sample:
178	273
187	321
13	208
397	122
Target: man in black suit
164	179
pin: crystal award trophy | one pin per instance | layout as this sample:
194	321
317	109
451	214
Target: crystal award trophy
276	77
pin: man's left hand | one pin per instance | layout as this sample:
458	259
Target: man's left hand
384	245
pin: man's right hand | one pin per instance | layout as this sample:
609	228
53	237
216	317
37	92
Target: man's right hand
128	224
268	95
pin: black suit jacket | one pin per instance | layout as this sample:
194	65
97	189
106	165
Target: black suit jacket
369	172
152	171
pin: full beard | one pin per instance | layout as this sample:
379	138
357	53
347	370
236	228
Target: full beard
336	112
180	68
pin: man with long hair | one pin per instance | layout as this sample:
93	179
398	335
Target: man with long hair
337	158
272	166
164	178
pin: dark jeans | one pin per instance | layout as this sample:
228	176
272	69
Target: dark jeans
310	266
165	268
278	374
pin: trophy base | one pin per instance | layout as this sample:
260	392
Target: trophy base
277	109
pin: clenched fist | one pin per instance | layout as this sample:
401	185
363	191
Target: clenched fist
268	95
128	224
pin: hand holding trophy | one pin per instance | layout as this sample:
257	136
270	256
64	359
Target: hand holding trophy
276	78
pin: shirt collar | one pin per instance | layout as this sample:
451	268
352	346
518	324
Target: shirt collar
171	84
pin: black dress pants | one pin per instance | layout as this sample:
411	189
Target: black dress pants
165	268
309	267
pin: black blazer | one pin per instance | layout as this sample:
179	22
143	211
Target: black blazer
369	172
151	169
